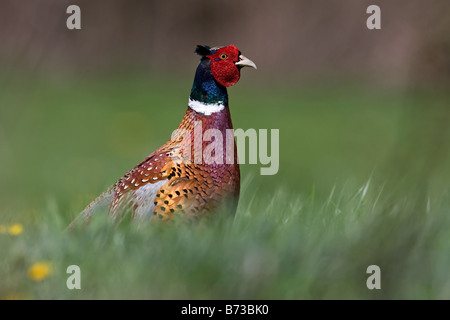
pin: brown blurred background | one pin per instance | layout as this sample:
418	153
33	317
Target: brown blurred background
305	39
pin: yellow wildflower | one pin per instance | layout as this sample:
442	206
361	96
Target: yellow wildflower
39	271
15	229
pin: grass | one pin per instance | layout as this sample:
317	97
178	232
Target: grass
280	248
363	180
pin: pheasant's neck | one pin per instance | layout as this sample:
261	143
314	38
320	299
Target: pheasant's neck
213	131
220	120
208	109
207	96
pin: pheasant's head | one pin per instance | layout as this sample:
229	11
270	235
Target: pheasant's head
226	63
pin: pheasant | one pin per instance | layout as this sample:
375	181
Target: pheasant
184	177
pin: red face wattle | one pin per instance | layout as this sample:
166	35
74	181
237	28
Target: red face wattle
223	65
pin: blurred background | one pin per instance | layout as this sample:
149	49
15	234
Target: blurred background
79	108
302	39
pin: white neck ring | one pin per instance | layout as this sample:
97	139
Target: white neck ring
205	108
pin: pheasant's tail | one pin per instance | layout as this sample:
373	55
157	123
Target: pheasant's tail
101	204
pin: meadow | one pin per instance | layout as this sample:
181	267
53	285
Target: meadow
363	180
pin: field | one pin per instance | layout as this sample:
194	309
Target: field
363	180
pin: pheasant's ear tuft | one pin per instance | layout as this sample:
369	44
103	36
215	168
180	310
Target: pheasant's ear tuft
203	50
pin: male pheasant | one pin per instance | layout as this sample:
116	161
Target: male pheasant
183	177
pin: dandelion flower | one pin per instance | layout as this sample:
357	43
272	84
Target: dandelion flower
15	229
39	271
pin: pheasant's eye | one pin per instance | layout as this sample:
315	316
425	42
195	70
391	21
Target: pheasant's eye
223	56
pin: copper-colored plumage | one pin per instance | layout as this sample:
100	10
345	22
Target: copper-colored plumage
189	189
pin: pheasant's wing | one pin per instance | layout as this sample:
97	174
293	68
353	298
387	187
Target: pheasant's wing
162	185
134	193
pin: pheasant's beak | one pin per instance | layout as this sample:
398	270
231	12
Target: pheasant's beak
245	62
